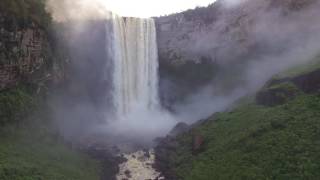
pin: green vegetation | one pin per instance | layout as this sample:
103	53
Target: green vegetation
15	104
255	142
30	153
26	11
29	149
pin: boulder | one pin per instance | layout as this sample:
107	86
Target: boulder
277	94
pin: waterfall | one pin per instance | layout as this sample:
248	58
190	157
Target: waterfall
135	60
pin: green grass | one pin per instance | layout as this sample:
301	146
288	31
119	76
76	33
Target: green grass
15	104
27	153
30	149
255	142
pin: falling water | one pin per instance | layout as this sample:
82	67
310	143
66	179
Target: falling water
135	60
135	95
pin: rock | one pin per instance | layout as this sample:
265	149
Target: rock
127	173
24	49
308	83
277	94
180	128
279	91
139	167
197	143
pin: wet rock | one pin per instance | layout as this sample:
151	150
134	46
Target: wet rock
146	153
138	168
128	173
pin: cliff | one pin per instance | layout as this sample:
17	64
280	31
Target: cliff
25	47
225	39
219	32
31	147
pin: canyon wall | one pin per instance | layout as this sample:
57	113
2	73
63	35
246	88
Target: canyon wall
25	48
220	31
215	44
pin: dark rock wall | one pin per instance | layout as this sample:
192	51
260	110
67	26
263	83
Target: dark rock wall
279	91
22	50
25	43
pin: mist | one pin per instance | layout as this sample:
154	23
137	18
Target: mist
269	40
81	10
83	107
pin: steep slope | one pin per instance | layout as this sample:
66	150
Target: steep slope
26	44
273	140
216	45
221	32
30	146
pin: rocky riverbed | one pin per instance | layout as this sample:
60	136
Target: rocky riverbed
122	160
139	166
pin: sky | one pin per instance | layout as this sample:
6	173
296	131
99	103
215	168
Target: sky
150	8
62	10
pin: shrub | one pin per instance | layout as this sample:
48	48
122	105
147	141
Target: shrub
15	104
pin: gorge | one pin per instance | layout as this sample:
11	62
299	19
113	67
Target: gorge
225	91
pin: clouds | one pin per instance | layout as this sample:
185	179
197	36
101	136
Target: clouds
232	3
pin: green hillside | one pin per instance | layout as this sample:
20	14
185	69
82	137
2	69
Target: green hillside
273	141
29	149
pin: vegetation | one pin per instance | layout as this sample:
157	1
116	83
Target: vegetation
256	142
26	11
29	149
14	105
31	153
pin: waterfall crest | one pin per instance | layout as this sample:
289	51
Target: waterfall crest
135	59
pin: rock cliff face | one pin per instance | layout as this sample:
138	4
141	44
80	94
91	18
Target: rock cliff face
24	42
224	38
220	32
22	51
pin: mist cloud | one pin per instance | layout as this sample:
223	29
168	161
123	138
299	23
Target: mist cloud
251	43
263	42
70	10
